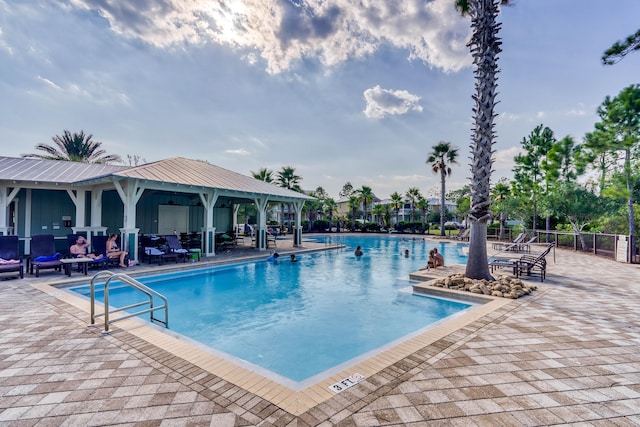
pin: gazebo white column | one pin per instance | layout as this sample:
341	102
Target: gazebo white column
5	199
130	194
261	227
297	230
209	200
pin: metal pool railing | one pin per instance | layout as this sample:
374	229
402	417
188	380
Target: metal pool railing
129	281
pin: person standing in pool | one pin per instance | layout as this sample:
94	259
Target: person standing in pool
358	251
293	258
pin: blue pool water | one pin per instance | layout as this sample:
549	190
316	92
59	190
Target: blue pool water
301	319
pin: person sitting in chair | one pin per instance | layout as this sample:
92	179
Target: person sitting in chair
79	250
114	251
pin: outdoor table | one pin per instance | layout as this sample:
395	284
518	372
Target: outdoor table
83	263
506	262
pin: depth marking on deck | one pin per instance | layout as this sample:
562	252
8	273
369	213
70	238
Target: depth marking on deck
344	384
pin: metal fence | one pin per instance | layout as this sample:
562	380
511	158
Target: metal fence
613	246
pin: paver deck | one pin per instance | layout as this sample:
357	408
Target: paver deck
568	354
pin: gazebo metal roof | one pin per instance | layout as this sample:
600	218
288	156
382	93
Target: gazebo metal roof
176	170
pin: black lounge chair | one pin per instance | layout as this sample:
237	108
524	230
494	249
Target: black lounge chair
43	254
99	247
100	262
528	264
525	264
9	248
156	251
174	245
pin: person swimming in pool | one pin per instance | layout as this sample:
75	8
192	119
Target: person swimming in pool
358	252
293	258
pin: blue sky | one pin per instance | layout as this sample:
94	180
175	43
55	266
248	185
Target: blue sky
342	90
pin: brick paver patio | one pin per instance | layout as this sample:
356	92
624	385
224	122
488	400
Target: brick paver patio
567	355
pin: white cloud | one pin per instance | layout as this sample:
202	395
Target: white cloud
510	117
49	83
381	102
4	45
504	162
284	32
238	152
578	111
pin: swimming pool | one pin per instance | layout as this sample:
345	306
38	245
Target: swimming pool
301	320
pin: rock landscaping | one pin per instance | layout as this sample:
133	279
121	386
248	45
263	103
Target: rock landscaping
504	286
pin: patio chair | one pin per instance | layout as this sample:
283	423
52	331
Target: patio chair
464	235
510	246
174	245
271	239
43	254
98	247
156	250
525	246
525	264
528	264
100	262
224	242
9	254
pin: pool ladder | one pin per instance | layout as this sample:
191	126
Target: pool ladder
335	242
127	280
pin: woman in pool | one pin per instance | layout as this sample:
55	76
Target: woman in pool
358	251
114	251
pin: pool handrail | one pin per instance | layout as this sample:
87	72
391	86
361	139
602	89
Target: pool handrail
130	281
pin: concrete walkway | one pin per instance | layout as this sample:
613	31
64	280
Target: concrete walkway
567	355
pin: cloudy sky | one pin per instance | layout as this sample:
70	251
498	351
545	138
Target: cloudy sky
342	90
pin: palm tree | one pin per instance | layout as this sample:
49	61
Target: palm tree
330	206
75	147
263	174
396	200
423	205
365	196
413	194
287	178
440	158
500	192
354	205
485	47
379	211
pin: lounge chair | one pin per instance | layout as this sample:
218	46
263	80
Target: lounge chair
271	239
157	250
525	264
10	261
510	246
529	263
83	265
464	235
43	254
525	246
174	245
224	242
99	246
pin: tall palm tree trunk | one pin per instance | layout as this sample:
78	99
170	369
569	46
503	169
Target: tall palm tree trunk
485	47
443	176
